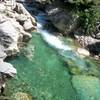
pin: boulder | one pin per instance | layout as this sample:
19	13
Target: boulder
9	37
28	26
24	36
87	87
2	7
22	96
20	9
7	68
21	18
83	52
64	21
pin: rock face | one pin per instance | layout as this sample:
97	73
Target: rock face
3	55
13	26
87	87
14	33
6	69
65	21
9	37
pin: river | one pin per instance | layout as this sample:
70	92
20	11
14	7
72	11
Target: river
43	71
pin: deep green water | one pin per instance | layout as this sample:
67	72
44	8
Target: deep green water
45	76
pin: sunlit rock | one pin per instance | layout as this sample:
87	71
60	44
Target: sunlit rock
83	52
22	96
28	25
9	37
2	7
7	68
2	53
21	18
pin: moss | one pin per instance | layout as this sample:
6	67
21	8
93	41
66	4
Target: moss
87	87
89	18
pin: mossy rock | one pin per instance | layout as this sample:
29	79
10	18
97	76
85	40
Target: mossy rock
22	96
87	87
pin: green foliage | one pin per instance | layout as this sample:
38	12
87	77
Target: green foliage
88	12
89	18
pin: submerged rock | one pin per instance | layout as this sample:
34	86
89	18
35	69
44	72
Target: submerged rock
22	96
87	87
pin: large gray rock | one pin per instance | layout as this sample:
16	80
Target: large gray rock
12	35
7	68
90	43
9	37
28	25
63	21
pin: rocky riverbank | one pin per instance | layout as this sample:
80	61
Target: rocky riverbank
77	19
15	26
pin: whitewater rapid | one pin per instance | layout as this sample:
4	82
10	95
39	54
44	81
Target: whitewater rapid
51	39
64	50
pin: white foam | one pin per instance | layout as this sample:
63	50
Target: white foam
53	40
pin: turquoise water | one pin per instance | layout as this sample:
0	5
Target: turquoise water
54	74
45	76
